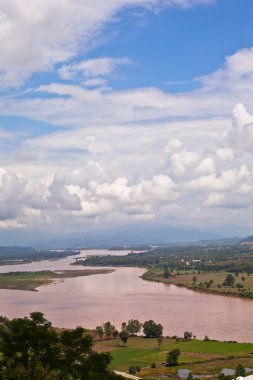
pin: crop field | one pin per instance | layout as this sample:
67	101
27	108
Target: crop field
202	357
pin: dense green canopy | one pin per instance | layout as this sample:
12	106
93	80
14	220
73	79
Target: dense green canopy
32	349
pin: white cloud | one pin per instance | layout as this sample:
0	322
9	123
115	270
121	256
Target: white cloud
137	154
240	136
37	34
183	160
225	154
92	68
206	166
215	199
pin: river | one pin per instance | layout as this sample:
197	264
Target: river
122	295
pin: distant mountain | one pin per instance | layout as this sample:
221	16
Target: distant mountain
247	240
136	234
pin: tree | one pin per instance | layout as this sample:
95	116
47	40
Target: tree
194	279
229	280
172	358
31	349
133	326
108	328
124	336
123	326
100	331
152	330
187	335
240	371
166	272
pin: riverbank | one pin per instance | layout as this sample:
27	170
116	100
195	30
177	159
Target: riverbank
32	280
208	282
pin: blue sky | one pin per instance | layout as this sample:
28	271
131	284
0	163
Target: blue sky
178	45
124	111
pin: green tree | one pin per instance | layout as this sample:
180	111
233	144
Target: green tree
172	358
229	280
100	331
123	326
187	335
152	330
166	272
31	349
133	326
109	329
240	371
123	335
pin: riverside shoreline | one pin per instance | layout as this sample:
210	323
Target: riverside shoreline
30	281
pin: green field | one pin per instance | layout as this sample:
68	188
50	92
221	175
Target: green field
203	357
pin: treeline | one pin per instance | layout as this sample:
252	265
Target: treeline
231	258
30	254
131	328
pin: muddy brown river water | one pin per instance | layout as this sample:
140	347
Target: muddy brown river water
121	295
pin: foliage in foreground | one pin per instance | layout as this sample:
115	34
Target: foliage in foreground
32	349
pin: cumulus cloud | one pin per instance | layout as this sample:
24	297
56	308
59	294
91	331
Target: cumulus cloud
182	160
206	166
240	136
60	195
112	155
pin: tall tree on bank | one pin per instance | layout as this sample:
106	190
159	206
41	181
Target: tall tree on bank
152	329
133	326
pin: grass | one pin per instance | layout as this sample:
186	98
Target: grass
32	280
202	357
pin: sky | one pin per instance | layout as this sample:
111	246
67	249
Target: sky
122	112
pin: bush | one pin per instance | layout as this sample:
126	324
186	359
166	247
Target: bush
172	358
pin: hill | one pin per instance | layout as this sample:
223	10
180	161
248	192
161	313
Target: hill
135	234
247	240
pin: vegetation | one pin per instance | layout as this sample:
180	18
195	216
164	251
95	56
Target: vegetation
31	280
21	255
240	371
201	357
32	349
123	335
152	330
215	282
230	258
172	357
133	326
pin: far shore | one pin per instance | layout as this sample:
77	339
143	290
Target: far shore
32	280
185	280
